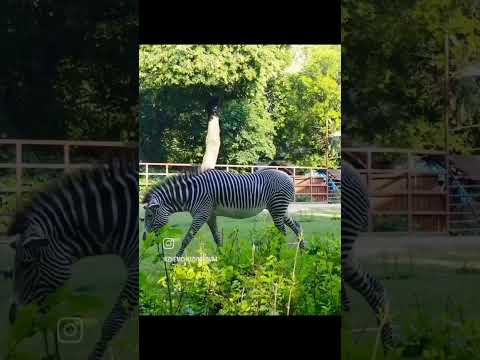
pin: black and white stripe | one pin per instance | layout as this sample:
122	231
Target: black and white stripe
220	193
94	212
355	205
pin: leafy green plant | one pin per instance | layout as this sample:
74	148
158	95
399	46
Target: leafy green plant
256	275
30	321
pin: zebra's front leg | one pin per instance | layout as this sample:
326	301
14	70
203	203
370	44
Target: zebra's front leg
197	223
126	302
212	224
297	229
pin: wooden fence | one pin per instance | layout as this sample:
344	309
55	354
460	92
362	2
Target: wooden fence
14	154
309	184
402	196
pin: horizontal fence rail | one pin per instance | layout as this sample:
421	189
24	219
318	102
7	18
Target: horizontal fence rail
318	185
401	196
419	198
16	159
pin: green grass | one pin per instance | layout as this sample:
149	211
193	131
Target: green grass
255	272
313	225
429	293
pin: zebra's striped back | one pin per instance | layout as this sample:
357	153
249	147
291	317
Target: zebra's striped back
225	189
92	212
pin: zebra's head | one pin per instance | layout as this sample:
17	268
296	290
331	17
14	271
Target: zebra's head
156	215
30	279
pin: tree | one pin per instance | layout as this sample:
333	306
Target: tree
75	83
394	71
306	105
176	84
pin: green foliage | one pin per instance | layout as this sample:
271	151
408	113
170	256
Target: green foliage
70	72
248	133
399	92
63	303
448	336
93	106
229	70
267	112
249	277
303	103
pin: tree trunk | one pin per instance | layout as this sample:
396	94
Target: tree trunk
212	142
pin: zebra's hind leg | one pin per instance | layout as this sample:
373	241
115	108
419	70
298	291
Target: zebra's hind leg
374	293
296	228
280	224
124	306
212	224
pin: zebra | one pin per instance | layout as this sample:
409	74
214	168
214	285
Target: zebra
355	205
88	213
213	193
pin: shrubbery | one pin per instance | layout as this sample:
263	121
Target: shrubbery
252	276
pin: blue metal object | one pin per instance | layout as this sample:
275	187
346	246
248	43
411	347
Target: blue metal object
332	187
458	188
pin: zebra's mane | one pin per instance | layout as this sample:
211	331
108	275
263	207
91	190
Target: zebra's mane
173	179
81	176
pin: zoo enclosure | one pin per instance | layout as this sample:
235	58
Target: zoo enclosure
20	158
318	185
406	198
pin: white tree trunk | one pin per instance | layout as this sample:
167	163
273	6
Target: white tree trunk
212	143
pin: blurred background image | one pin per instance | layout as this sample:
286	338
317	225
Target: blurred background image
410	121
68	101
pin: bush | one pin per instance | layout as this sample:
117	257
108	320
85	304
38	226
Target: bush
251	276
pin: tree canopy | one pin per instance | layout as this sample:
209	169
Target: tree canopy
69	70
394	72
262	101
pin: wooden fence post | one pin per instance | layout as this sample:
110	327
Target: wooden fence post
326	172
146	174
295	185
66	158
311	185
